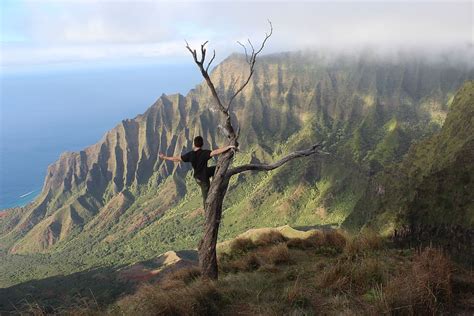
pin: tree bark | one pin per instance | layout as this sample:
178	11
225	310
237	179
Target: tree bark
213	214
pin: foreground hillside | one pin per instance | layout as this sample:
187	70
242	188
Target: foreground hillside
264	272
115	202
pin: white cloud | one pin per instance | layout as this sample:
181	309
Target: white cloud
61	54
86	30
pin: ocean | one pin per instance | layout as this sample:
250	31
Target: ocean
45	113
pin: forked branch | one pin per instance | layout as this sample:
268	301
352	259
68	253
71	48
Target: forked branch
251	59
267	167
204	71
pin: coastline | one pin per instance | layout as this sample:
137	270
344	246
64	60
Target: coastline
21	200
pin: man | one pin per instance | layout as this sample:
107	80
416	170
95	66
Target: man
198	158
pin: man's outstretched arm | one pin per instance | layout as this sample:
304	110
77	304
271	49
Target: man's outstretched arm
219	151
173	159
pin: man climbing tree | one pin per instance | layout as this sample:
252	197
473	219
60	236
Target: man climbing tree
223	173
198	158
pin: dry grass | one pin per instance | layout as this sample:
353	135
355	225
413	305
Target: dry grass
294	277
198	298
424	287
355	276
187	275
267	251
278	254
332	239
335	239
264	257
81	306
248	262
366	284
297	295
241	245
270	238
366	241
299	243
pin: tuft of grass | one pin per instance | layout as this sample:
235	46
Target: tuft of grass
198	298
264	257
357	276
248	262
272	237
241	246
278	254
186	275
425	287
297	296
366	241
335	239
316	239
299	243
330	241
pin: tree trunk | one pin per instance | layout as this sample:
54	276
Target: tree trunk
213	213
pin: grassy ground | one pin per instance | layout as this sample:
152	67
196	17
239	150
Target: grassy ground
326	273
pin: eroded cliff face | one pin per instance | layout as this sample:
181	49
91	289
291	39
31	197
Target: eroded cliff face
433	186
80	184
290	93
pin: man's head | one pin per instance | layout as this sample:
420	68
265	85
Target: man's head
198	141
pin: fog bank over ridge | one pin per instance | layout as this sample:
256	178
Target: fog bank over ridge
121	31
454	56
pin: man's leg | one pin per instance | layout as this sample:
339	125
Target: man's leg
204	189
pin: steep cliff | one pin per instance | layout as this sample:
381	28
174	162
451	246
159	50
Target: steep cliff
434	184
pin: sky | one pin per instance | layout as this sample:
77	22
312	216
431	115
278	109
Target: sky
88	33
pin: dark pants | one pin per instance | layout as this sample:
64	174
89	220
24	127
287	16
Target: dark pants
204	189
205	184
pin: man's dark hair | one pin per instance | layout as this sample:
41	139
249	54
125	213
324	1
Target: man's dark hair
198	141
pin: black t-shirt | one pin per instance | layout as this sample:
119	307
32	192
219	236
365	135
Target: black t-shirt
198	160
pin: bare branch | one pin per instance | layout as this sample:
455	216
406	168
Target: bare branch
250	43
193	52
203	51
267	36
212	59
245	50
251	61
204	72
210	84
267	167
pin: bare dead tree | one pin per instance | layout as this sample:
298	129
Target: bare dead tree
220	181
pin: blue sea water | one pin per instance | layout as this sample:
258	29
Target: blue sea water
44	113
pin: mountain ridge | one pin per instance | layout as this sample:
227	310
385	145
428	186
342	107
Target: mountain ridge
116	194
